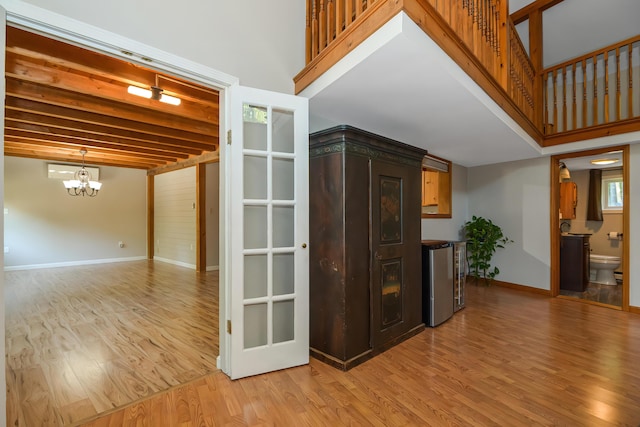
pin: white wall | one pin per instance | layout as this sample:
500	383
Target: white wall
450	228
240	38
515	196
44	225
634	232
174	216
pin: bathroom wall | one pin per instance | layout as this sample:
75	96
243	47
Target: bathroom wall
600	244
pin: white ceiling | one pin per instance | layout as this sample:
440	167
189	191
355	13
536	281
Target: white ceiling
401	85
582	163
419	96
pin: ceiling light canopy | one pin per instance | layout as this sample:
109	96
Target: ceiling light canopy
154	92
82	185
601	162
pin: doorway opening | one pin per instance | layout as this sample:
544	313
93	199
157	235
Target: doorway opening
590	225
121	331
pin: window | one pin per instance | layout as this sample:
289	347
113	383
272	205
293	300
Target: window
612	199
436	188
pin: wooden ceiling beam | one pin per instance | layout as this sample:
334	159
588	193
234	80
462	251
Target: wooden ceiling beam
94	126
205	158
61	98
64	55
93	139
88	85
46	135
113	153
107	107
21	150
88	118
541	5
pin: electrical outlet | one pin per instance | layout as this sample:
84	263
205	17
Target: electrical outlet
121	244
6	249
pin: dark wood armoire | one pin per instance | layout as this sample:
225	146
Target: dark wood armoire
365	265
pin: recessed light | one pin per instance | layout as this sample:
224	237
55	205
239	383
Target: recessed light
603	161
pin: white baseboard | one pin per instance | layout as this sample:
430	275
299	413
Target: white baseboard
174	262
213	268
72	263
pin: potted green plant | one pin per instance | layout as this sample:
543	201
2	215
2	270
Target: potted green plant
483	239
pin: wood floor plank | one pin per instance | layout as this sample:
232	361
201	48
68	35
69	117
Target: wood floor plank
509	358
104	336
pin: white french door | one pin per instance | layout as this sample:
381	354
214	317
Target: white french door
267	232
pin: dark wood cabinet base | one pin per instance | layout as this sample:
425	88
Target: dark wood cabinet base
345	365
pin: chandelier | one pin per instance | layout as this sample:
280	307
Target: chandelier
82	185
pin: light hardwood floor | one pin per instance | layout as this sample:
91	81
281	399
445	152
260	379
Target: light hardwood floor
84	340
510	358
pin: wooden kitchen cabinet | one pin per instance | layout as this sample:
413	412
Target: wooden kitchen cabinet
568	200
365	270
430	188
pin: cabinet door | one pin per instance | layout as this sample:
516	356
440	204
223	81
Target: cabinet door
429	188
568	199
395	248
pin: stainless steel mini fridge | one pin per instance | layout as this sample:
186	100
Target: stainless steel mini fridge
437	281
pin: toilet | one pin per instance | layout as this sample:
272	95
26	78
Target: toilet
604	266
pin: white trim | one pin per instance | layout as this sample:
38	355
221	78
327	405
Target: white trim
213	268
174	262
589	144
72	263
58	26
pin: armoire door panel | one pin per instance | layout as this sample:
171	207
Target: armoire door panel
395	245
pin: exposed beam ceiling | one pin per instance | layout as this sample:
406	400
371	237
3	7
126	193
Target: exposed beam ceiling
61	98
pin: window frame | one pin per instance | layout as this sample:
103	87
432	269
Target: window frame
606	180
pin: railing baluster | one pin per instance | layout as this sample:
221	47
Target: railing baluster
545	95
595	90
564	99
331	21
322	26
618	94
340	23
348	13
308	55
584	93
314	30
555	99
606	87
630	97
574	106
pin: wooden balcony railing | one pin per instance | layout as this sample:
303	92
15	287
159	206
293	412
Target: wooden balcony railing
480	36
599	88
522	76
326	19
483	27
